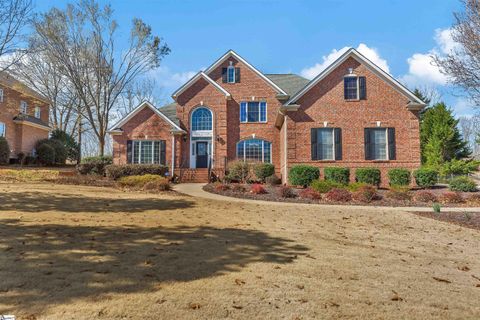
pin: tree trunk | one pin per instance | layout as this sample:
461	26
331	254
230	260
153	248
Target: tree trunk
79	156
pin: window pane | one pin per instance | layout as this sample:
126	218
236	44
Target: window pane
156	152
243	112
231	74
146	152
350	88
2	129
136	151
240	150
379	144
253	112
263	111
254	150
267	150
202	119
325	143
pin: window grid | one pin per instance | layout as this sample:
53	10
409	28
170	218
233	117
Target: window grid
38	112
351	88
325	143
255	150
202	120
1	95
231	74
379	141
253	111
23	107
144	151
2	129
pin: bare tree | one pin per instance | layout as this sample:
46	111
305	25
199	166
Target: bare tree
14	16
462	64
82	38
466	125
135	93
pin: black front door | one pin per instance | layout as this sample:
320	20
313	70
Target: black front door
202	154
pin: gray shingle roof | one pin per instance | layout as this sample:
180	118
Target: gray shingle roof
25	117
170	111
290	83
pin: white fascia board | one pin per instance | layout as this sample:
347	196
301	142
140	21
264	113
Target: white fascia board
194	79
231	53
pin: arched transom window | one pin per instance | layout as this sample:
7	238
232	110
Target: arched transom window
201	120
254	150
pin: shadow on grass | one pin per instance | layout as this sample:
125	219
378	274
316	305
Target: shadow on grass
43	265
40	201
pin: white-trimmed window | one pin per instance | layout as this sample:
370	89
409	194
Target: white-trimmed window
146	151
201	120
1	95
380	144
326	143
354	88
23	107
253	111
254	150
231	74
3	129
38	112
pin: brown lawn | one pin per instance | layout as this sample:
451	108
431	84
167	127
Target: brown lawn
70	252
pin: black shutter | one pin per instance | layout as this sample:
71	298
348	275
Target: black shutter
362	83
163	152
129	151
368	147
224	75
237	75
391	144
313	140
338	143
345	88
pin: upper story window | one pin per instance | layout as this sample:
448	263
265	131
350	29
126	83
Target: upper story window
201	120
1	95
231	74
379	143
23	107
2	129
255	150
38	112
326	143
355	88
253	111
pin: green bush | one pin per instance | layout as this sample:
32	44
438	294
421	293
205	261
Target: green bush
368	175
464	184
425	177
337	174
459	167
303	175
46	154
4	151
263	170
323	186
399	177
147	182
71	146
116	171
94	165
239	171
355	186
60	150
273	180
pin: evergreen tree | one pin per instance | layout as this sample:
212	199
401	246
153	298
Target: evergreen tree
71	146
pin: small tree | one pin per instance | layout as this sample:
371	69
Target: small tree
71	146
4	151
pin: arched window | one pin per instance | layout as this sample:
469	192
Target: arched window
254	150
201	120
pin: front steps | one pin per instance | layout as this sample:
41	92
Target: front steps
194	175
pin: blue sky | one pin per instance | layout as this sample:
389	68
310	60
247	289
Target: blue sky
297	36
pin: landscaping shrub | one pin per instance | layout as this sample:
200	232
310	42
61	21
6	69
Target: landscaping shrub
355	186
71	146
323	186
310	193
365	194
459	167
368	175
339	195
399	193
303	175
263	170
238	188
239	171
159	184
94	165
286	192
399	177
464	184
337	174
436	207
221	187
425	177
116	171
4	151
28	175
149	182
451	197
257	189
60	150
273	180
424	196
46	154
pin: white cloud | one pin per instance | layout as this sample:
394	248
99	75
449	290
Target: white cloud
371	53
169	80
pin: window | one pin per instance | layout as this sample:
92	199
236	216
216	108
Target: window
355	88
201	120
140	151
253	111
38	112
254	150
326	143
1	95
380	143
231	74
23	107
2	129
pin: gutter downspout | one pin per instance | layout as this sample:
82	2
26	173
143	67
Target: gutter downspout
286	149
173	155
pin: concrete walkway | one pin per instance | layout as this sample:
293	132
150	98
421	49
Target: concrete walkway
196	190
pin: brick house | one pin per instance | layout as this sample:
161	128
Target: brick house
24	115
353	114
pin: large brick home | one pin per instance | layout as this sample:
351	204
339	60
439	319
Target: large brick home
24	115
353	114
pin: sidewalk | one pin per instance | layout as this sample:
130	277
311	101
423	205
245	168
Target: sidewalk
196	190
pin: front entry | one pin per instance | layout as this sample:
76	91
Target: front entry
202	154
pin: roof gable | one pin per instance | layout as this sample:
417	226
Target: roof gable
366	62
194	79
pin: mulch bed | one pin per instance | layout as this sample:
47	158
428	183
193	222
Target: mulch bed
464	219
382	200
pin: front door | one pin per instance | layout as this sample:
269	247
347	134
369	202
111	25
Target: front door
202	154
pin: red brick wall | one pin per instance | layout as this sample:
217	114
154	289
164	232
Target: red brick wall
325	102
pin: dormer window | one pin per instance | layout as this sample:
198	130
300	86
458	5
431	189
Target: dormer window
231	74
355	87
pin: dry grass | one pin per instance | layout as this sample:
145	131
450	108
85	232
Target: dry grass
76	252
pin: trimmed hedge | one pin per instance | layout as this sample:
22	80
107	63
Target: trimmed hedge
263	170
46	154
94	165
4	151
337	174
399	177
464	184
324	186
60	152
303	175
425	177
116	171
368	175
239	171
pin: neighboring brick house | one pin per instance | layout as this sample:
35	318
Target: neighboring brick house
24	115
352	115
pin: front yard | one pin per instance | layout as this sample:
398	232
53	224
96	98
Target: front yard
78	252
